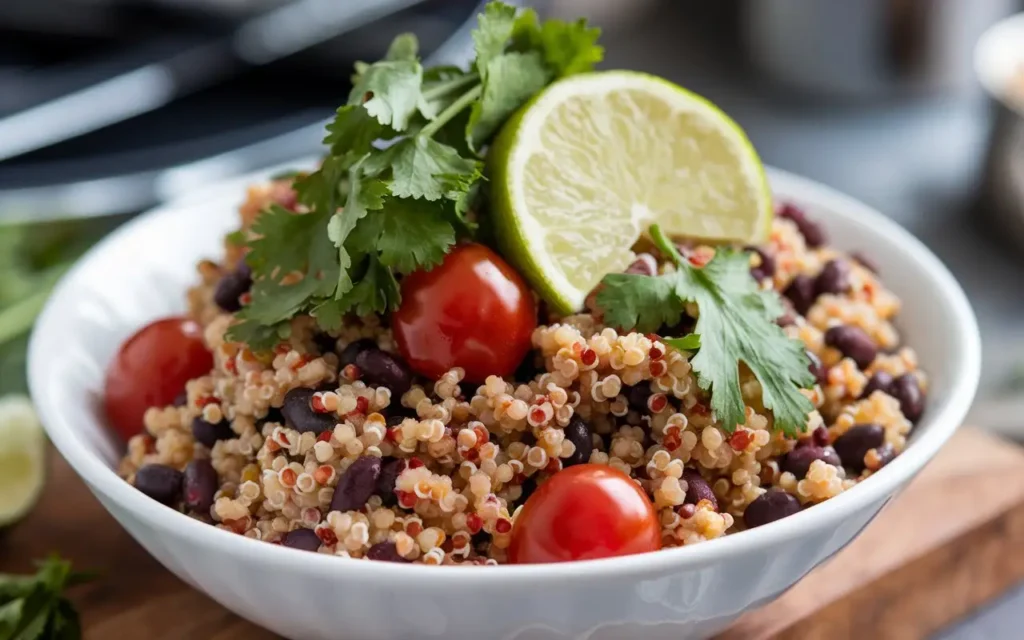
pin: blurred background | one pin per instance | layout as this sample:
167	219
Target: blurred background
109	107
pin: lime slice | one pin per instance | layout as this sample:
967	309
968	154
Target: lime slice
584	168
22	458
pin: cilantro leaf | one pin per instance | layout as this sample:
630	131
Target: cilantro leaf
689	342
736	326
423	168
414	235
404	47
34	606
390	91
570	47
494	28
511	80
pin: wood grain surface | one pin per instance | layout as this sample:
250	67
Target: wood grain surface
945	546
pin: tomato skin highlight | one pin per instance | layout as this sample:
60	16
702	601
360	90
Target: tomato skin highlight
472	311
585	512
151	369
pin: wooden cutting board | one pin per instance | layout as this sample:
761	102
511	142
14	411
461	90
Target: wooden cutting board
945	546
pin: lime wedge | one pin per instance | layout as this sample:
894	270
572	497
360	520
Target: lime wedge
22	458
583	169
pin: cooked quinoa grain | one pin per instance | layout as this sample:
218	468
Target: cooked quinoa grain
330	443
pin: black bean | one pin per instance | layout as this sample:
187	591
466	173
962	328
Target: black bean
817	368
199	483
864	261
801	292
208	434
160	482
231	287
357	484
813	234
528	369
384	369
879	381
834	277
395	420
299	414
390	469
907	390
853	343
697	489
767	267
820	437
578	433
644	265
384	552
353	349
302	539
181	399
637	396
772	505
853	445
799	460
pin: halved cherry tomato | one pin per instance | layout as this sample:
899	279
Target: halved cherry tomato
471	311
584	512
151	369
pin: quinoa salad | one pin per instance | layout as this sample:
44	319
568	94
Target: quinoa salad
376	432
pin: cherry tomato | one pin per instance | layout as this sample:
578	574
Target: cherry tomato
151	369
471	311
584	512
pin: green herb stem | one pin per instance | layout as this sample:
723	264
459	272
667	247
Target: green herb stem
443	88
451	111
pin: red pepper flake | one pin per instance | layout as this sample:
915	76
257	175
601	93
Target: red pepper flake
588	357
284	441
282	348
303	360
325	436
503	525
672	441
245	299
351	373
231	366
655	353
474	523
657	402
741	439
205	400
326	535
658	368
448	546
416	463
686	511
471	456
699	409
653	337
393	435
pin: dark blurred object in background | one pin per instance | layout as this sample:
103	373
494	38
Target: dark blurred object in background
99	99
869	48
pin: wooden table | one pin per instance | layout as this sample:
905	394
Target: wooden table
948	544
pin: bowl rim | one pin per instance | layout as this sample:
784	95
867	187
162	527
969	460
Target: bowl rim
988	56
104	481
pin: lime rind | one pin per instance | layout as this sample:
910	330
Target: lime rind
574	189
22	458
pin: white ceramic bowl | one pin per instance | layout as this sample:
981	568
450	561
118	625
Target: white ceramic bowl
141	272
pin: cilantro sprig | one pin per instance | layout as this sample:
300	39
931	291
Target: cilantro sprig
34	607
402	170
735	326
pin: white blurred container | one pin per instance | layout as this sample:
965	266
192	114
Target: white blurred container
869	48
